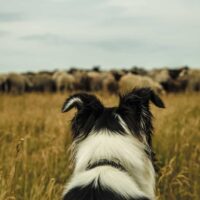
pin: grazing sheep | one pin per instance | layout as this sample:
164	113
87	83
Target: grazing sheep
18	83
42	83
82	81
64	81
130	81
171	79
95	79
192	80
109	83
160	75
117	74
175	73
138	71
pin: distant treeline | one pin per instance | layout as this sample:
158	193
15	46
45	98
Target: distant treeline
162	80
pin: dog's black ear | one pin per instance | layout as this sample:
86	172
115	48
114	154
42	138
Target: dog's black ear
156	99
147	94
142	95
80	101
134	110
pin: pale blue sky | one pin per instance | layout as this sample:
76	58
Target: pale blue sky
48	34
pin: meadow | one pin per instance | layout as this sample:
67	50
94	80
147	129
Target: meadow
35	136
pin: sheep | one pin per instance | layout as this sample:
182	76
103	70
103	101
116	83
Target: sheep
64	81
95	78
192	80
109	83
170	79
18	83
42	83
130	81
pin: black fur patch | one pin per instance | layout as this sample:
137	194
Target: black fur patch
87	119
92	193
104	162
108	120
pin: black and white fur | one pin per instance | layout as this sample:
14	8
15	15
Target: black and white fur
112	148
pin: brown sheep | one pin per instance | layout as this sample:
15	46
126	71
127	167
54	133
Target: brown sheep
170	79
117	74
18	83
42	83
160	75
95	79
109	83
64	81
192	79
138	71
130	81
82	81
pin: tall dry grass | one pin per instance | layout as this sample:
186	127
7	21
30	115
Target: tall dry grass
34	136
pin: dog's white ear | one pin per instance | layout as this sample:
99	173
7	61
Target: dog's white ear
81	100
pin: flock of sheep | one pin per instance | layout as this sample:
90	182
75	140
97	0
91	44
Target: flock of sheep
113	81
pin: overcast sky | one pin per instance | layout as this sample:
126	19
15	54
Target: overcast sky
49	34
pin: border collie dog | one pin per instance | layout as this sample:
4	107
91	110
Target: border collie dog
112	148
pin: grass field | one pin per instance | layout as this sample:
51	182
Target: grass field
34	136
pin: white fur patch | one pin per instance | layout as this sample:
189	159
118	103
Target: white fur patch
109	178
71	102
125	148
107	145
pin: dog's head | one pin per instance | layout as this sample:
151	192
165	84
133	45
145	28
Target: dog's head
131	116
